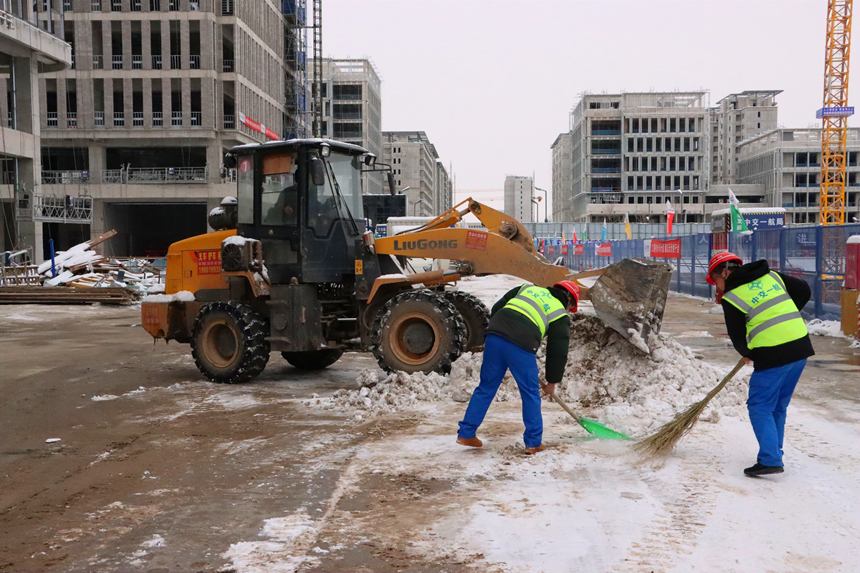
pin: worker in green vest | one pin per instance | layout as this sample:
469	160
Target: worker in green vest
762	311
518	323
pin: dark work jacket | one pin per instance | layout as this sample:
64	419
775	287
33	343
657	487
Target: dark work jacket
767	356
517	328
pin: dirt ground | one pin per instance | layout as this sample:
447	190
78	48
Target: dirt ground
158	470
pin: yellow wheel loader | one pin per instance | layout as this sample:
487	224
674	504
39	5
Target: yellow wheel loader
300	275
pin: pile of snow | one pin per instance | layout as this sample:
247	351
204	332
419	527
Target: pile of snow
181	296
818	327
607	377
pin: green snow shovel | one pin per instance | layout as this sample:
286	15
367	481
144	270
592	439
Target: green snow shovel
591	426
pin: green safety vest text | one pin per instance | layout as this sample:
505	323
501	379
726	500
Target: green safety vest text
539	305
772	318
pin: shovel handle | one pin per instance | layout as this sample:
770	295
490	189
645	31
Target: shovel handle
563	405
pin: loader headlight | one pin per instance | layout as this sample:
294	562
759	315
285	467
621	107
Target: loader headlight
325	149
370	160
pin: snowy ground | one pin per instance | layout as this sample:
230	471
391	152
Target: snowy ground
588	505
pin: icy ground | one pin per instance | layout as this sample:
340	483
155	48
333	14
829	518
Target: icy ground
586	505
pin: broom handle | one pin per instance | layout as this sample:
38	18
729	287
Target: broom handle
728	377
563	405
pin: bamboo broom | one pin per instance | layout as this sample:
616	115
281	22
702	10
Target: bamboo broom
664	440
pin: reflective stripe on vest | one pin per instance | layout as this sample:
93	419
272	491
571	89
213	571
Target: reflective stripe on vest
539	305
766	305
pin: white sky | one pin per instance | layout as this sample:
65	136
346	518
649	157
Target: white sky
492	82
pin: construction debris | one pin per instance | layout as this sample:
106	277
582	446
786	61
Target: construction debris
80	275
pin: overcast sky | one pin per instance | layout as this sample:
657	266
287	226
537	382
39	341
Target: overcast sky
492	82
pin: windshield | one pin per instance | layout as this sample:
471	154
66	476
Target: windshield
347	170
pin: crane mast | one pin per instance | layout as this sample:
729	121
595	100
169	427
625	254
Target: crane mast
834	115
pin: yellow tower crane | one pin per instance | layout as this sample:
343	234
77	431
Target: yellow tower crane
834	114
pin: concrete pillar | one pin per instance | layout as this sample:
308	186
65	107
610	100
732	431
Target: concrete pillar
128	103
208	103
107	46
125	26
208	31
61	103
146	42
109	89
166	101
147	102
214	157
165	40
97	160
185	44
186	101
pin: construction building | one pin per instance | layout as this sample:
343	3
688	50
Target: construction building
562	178
631	152
520	202
352	109
738	117
157	92
418	172
786	164
31	43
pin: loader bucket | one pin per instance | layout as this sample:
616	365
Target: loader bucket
630	296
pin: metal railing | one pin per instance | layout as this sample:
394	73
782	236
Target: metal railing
71	119
157	119
227	7
136	6
196	118
155	5
62	209
119	119
11	119
67	5
229	121
73	62
136	62
98	62
99	118
116	62
228	66
144	176
116	6
175	62
65	177
173	5
156	61
96	5
176	118
137	119
52	119
113	176
195	62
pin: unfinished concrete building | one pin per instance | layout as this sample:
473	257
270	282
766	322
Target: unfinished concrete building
786	163
30	44
738	117
158	91
520	200
352	109
418	173
562	178
630	152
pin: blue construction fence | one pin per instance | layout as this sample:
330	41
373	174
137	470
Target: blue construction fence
797	251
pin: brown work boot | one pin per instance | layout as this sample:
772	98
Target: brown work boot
471	442
535	450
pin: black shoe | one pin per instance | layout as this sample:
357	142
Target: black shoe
760	470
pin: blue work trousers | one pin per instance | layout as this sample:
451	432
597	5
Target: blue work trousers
770	393
499	356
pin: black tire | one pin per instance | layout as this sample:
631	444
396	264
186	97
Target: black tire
313	359
475	314
418	331
229	343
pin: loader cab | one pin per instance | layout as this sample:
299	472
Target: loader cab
302	200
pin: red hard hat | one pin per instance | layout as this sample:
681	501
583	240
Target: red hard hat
573	289
718	259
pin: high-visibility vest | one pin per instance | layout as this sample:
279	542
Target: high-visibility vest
772	317
539	305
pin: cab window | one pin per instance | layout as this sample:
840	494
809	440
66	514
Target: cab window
279	204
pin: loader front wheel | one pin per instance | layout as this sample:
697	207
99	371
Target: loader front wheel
229	343
475	314
418	331
313	359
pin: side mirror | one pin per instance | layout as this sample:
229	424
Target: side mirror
391	183
317	172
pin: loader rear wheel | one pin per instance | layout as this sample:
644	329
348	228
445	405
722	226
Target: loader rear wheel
313	359
229	343
418	331
475	314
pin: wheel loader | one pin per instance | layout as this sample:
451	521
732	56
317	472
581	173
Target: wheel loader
300	275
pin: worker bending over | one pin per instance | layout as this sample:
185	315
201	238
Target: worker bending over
518	323
762	310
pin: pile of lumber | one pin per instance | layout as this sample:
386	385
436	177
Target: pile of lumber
82	275
66	295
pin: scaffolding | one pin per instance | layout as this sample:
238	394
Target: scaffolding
296	113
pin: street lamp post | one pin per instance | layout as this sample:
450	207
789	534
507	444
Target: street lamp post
537	210
415	206
545	204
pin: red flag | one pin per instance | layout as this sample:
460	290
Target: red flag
574	235
670	214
